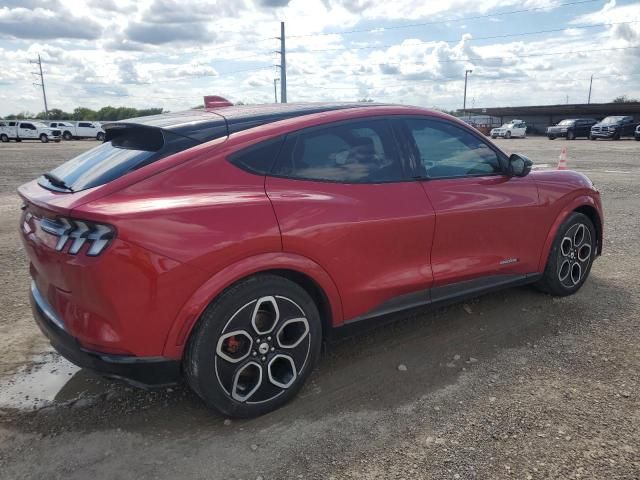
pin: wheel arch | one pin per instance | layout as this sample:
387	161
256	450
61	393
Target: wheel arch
584	204
301	270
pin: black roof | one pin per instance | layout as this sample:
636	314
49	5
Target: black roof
208	124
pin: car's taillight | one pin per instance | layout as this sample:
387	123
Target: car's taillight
77	233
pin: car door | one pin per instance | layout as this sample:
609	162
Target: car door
343	198
27	130
486	222
628	127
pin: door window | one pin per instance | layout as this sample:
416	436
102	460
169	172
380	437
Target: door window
85	125
446	150
353	152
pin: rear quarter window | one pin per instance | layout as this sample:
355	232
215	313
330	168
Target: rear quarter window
258	158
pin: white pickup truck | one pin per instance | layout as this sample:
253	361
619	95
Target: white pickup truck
19	130
75	130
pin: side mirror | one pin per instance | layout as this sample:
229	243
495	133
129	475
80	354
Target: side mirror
519	166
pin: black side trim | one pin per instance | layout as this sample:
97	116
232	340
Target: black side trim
435	297
138	371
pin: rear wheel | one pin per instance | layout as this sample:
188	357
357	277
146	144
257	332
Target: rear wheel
4	138
44	138
571	256
254	346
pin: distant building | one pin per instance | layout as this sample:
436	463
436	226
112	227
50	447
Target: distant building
539	117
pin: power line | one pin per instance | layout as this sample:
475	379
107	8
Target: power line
435	22
492	37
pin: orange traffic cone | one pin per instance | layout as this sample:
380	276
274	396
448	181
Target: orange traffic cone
562	160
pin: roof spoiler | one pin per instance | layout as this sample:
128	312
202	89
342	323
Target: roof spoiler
215	101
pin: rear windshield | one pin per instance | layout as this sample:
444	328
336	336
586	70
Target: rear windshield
124	150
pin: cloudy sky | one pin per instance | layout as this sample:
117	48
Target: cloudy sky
169	53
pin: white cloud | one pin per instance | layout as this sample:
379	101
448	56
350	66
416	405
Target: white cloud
169	53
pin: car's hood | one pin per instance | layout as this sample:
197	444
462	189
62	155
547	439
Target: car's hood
600	124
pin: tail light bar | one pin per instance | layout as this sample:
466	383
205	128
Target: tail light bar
78	233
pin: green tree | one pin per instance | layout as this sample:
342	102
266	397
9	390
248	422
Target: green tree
624	99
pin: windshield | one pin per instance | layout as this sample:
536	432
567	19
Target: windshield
507	125
566	122
39	125
609	120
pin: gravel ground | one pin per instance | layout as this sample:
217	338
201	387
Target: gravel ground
514	384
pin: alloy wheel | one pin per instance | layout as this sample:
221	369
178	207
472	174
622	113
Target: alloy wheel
262	349
574	255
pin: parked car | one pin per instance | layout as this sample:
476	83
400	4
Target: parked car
614	127
515	128
571	128
226	247
637	133
77	130
27	130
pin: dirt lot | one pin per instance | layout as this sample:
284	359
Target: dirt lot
514	384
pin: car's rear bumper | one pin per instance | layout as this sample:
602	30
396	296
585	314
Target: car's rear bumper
139	371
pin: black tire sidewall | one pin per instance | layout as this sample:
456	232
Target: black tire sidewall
199	369
550	281
4	138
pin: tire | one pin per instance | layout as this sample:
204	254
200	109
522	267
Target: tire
616	136
18	139
507	135
571	135
551	137
494	136
591	137
44	138
100	137
57	140
4	138
637	139
67	136
570	249
233	375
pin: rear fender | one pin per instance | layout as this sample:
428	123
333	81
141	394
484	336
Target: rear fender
195	306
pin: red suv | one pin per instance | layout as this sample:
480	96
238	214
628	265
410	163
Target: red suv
223	245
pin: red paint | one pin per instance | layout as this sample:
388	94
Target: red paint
192	224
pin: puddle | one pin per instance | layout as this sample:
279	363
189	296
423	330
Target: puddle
49	378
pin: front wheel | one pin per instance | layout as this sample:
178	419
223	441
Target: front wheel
494	136
254	346
100	137
551	137
571	256
44	138
591	137
571	135
67	135
507	135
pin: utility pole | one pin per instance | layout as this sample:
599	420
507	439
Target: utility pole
590	85
41	84
283	66
275	89
464	101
